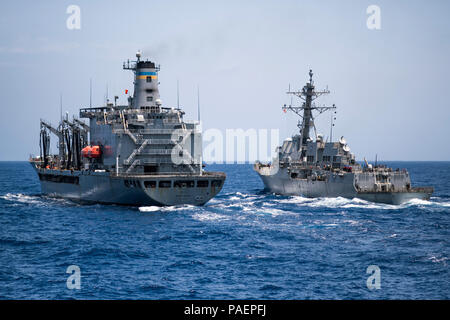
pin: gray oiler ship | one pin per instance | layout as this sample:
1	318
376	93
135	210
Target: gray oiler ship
319	168
137	154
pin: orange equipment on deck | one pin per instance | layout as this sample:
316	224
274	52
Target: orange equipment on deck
91	152
85	151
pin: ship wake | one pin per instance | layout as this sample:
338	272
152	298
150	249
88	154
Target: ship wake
16	199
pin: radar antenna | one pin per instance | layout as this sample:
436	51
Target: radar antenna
305	111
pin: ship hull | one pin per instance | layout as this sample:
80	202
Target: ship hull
336	186
131	190
395	198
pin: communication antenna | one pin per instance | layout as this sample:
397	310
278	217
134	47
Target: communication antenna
198	102
60	106
178	95
90	92
305	111
333	117
291	95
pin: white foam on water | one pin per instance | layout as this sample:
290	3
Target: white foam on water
435	259
329	202
149	209
247	209
434	202
209	216
352	222
213	200
372	205
340	202
242	196
22	198
330	224
296	200
275	212
394	235
419	202
268	204
226	205
166	209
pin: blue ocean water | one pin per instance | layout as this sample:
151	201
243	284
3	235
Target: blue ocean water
244	244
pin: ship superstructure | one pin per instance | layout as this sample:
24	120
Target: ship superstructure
141	153
312	167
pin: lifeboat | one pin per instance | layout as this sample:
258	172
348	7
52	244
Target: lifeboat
91	152
96	152
86	151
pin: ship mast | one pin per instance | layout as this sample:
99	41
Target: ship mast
305	111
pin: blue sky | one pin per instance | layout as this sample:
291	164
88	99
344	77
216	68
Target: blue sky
389	85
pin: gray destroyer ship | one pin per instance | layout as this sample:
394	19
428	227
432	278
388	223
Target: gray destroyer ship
136	154
318	168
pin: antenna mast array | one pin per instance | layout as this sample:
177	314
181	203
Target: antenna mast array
305	111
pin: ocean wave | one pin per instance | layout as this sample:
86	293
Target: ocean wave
166	209
17	242
270	287
340	202
210	216
22	198
271	211
34	199
435	259
236	196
